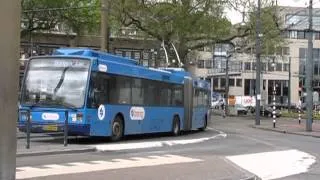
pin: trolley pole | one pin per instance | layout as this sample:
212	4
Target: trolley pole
9	55
309	72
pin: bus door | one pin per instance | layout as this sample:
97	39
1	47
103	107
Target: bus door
112	96
196	108
96	103
188	104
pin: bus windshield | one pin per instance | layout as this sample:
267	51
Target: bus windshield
55	82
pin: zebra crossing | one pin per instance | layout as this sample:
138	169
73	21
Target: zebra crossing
91	166
265	165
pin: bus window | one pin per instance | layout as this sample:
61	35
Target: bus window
119	90
137	92
177	96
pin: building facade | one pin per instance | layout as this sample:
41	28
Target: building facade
289	59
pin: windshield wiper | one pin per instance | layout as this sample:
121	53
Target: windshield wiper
60	81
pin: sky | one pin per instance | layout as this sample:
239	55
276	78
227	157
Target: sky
236	17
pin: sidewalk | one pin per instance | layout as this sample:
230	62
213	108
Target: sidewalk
290	126
46	145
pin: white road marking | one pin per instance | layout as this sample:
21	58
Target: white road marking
82	167
276	164
152	144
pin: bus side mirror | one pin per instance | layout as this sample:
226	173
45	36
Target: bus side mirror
94	96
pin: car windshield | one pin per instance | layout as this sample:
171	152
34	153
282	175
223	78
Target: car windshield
55	82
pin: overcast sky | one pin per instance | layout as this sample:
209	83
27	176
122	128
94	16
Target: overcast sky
236	17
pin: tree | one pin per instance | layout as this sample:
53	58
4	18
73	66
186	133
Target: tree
270	22
82	20
193	24
44	15
189	24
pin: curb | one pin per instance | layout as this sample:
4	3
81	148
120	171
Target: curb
33	135
284	131
66	151
254	177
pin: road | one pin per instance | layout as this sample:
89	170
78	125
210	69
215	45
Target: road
229	149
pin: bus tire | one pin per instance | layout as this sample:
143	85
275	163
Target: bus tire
205	124
175	126
117	129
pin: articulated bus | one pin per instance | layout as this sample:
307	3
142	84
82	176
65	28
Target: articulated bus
106	95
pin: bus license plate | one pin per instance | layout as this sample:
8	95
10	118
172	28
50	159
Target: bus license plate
50	128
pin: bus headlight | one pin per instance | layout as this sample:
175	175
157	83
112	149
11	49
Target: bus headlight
79	116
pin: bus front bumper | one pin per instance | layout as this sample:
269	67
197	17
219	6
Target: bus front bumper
73	129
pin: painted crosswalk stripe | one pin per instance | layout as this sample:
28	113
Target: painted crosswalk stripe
83	167
157	144
276	164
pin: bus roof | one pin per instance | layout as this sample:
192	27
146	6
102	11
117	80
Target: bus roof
87	52
125	66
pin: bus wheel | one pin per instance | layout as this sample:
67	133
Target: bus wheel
117	129
205	124
176	126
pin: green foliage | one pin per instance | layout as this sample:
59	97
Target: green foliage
270	26
46	14
82	19
189	24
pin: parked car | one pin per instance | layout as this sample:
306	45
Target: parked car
268	111
241	109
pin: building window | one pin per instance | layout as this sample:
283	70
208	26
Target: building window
316	68
286	51
215	83
231	82
279	67
222	83
302	53
271	66
316	35
239	83
208	64
301	35
200	63
293	34
286	67
254	66
247	66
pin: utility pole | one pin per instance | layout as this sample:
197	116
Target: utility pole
9	55
104	26
227	85
309	73
258	65
289	86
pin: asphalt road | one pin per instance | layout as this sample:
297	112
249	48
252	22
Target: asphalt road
230	149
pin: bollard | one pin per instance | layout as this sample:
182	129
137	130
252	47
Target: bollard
274	107
65	130
299	115
28	130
